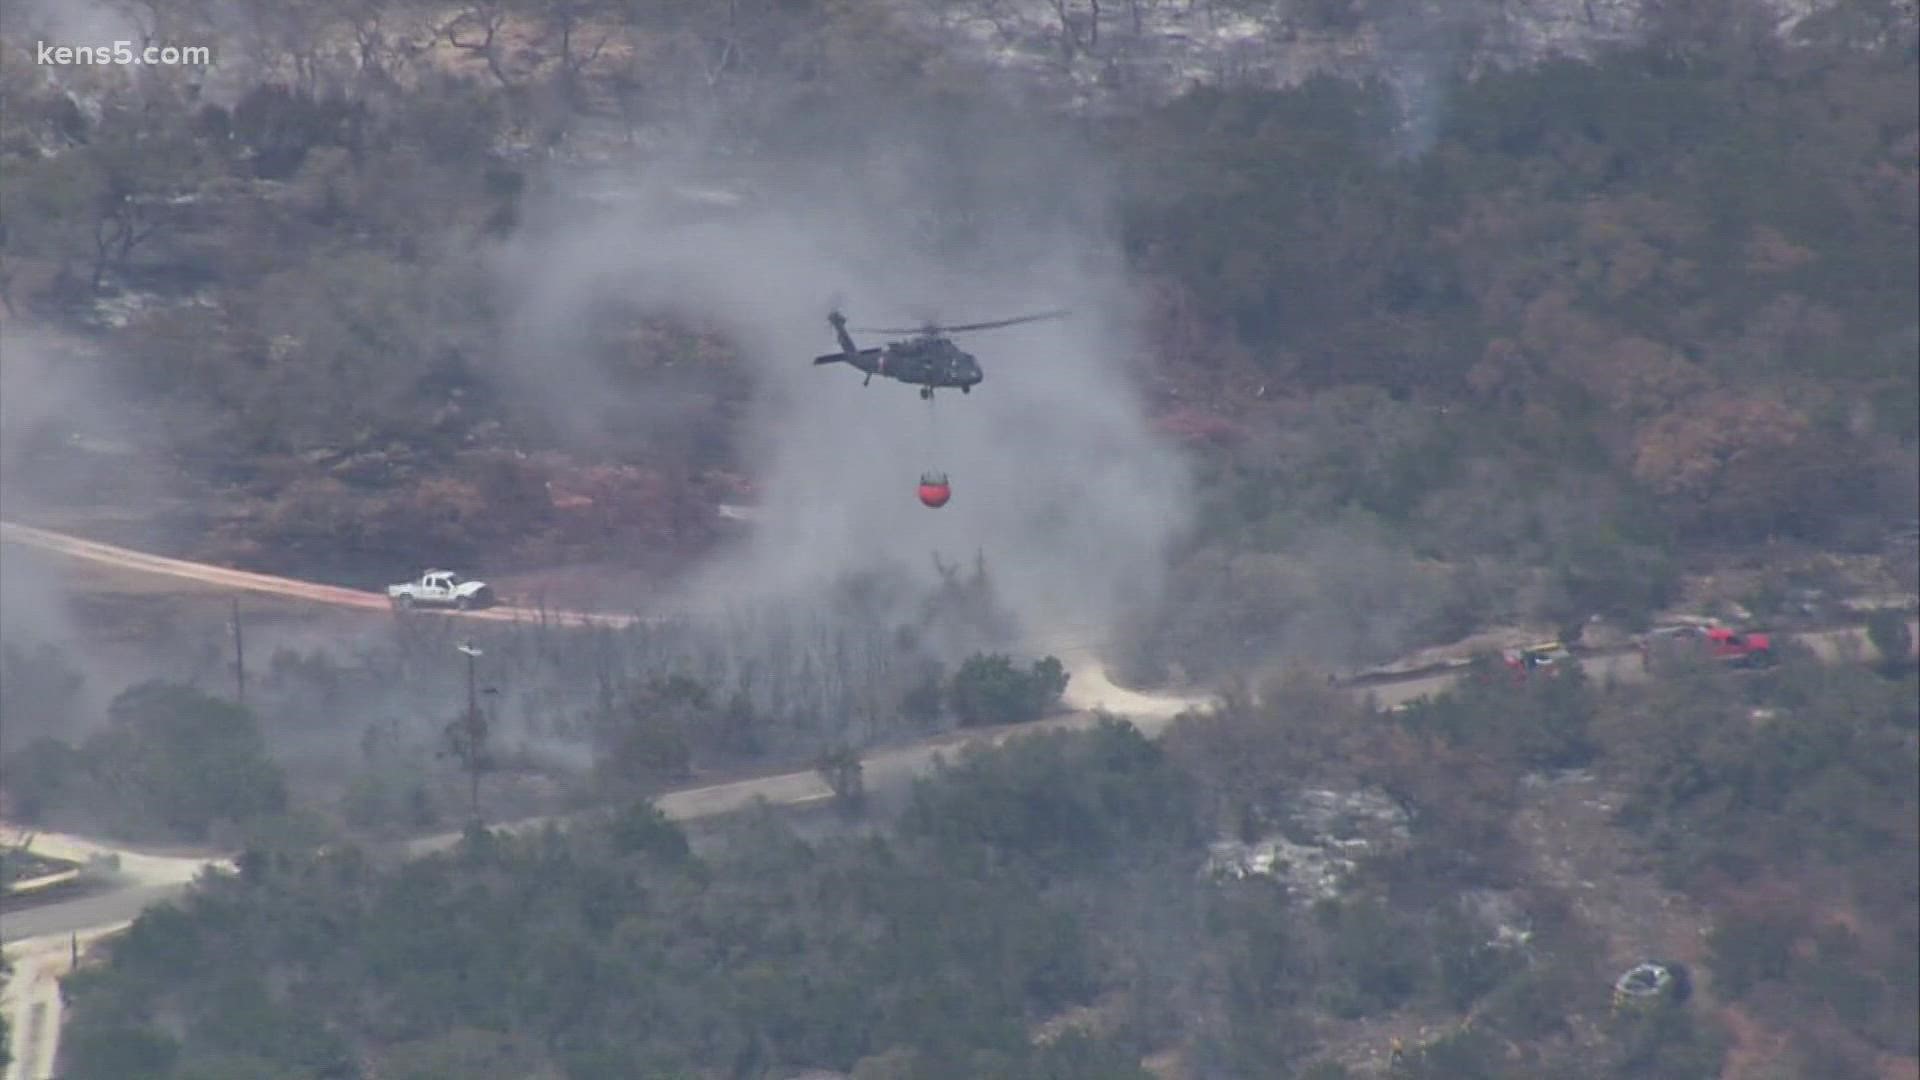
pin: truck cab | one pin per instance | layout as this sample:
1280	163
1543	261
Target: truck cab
441	588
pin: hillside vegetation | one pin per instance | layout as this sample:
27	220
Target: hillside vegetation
1619	322
1051	909
1620	316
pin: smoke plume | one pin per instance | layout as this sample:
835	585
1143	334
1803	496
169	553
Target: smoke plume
1425	48
48	399
1058	483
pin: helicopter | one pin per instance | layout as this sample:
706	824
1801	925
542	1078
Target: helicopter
929	360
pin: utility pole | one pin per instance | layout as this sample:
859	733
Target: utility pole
239	658
468	736
473	730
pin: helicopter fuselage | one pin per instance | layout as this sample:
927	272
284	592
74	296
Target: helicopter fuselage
933	363
930	361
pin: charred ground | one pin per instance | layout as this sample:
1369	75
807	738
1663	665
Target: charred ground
1620	320
1613	333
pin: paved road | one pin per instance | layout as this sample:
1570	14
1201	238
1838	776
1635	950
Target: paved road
40	940
112	903
32	998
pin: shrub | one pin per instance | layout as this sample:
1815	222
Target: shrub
989	690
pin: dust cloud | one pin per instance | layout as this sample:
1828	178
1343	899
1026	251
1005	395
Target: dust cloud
1061	489
80	453
1059	484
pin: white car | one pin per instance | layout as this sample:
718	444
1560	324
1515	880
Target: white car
441	588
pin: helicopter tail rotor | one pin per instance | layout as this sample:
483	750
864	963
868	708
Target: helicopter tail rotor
839	323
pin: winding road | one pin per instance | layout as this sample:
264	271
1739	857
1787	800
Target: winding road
126	559
42	941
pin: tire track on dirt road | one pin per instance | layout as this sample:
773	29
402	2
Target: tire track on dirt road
1093	689
291	588
42	941
1089	688
182	570
42	937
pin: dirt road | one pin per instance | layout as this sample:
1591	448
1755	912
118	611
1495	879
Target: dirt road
40	940
1090	686
220	577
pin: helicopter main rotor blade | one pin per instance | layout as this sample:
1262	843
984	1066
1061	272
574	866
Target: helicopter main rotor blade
996	324
935	329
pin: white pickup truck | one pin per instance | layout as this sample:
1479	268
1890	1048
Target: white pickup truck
441	588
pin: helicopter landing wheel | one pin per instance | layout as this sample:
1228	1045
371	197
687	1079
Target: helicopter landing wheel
966	389
926	393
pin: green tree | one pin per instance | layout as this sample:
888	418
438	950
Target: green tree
1061	799
102	1052
176	758
643	830
988	689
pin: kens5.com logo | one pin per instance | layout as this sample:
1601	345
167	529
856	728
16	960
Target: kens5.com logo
124	54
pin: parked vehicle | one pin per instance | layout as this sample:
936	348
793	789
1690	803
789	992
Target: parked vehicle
441	588
1549	658
1717	644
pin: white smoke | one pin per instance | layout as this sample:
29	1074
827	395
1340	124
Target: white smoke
1057	480
47	397
77	23
1424	48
